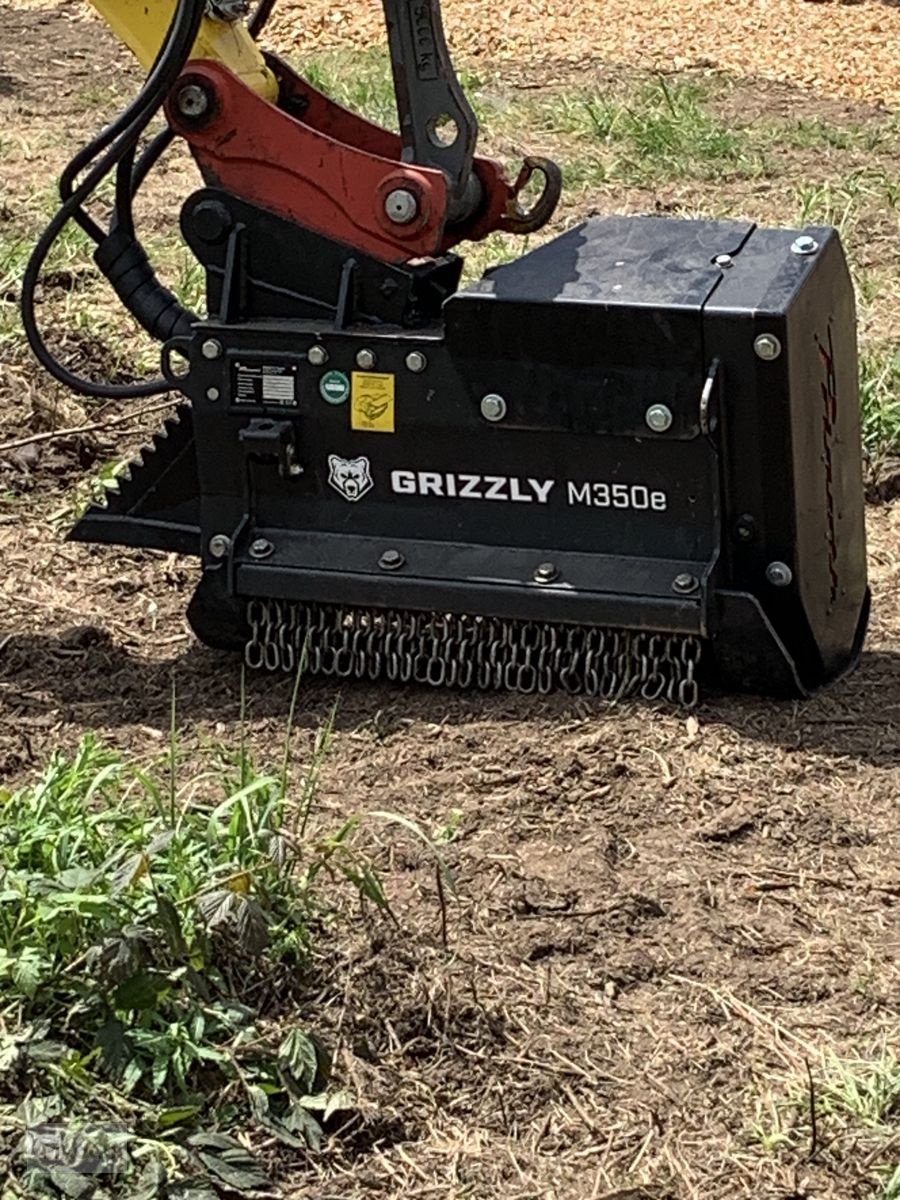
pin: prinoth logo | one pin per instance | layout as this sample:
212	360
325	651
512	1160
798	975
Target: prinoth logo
352	477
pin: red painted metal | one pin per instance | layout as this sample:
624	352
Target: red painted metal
328	169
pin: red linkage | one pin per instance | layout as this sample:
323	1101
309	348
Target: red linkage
316	163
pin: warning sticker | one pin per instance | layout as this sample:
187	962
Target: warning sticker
372	402
265	383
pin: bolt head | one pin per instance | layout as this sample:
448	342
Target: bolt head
779	574
493	407
659	418
211	220
192	101
546	573
219	545
401	206
391	560
684	584
416	362
767	347
804	245
261	548
724	261
212	393
211	348
317	355
365	360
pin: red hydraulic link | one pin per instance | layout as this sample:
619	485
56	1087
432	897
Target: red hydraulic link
313	161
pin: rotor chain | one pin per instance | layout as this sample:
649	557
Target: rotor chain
459	650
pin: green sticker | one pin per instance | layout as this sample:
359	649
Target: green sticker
334	386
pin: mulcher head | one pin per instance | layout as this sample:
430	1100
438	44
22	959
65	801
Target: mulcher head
625	461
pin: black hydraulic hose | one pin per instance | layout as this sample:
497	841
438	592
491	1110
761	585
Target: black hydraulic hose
261	14
169	63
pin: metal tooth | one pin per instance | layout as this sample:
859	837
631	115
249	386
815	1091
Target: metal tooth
453	650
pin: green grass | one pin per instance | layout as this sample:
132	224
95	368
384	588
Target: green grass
157	937
880	402
662	129
856	1101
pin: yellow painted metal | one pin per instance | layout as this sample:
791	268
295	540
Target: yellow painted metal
142	25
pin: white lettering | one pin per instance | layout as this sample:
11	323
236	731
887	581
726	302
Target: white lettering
592	493
431	484
403	483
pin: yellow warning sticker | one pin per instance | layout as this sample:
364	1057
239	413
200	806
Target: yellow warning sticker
372	402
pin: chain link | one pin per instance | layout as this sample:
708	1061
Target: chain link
451	650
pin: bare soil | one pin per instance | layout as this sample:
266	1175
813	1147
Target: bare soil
658	918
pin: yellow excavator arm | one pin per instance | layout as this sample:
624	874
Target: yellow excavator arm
142	26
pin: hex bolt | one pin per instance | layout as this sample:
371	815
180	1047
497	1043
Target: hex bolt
767	347
401	206
416	362
212	393
391	560
658	417
192	101
211	348
546	573
261	548
366	360
779	574
219	545
685	584
804	245
317	355
724	261
493	407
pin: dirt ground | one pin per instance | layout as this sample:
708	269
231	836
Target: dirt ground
660	919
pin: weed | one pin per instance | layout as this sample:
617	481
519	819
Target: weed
152	934
880	403
857	1102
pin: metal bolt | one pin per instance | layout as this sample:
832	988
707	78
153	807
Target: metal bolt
211	348
493	407
365	359
658	417
211	220
724	261
685	584
192	101
401	206
745	529
317	355
416	362
261	548
219	545
804	245
212	393
546	573
767	347
391	560
779	574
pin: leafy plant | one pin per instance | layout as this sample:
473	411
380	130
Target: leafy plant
154	939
